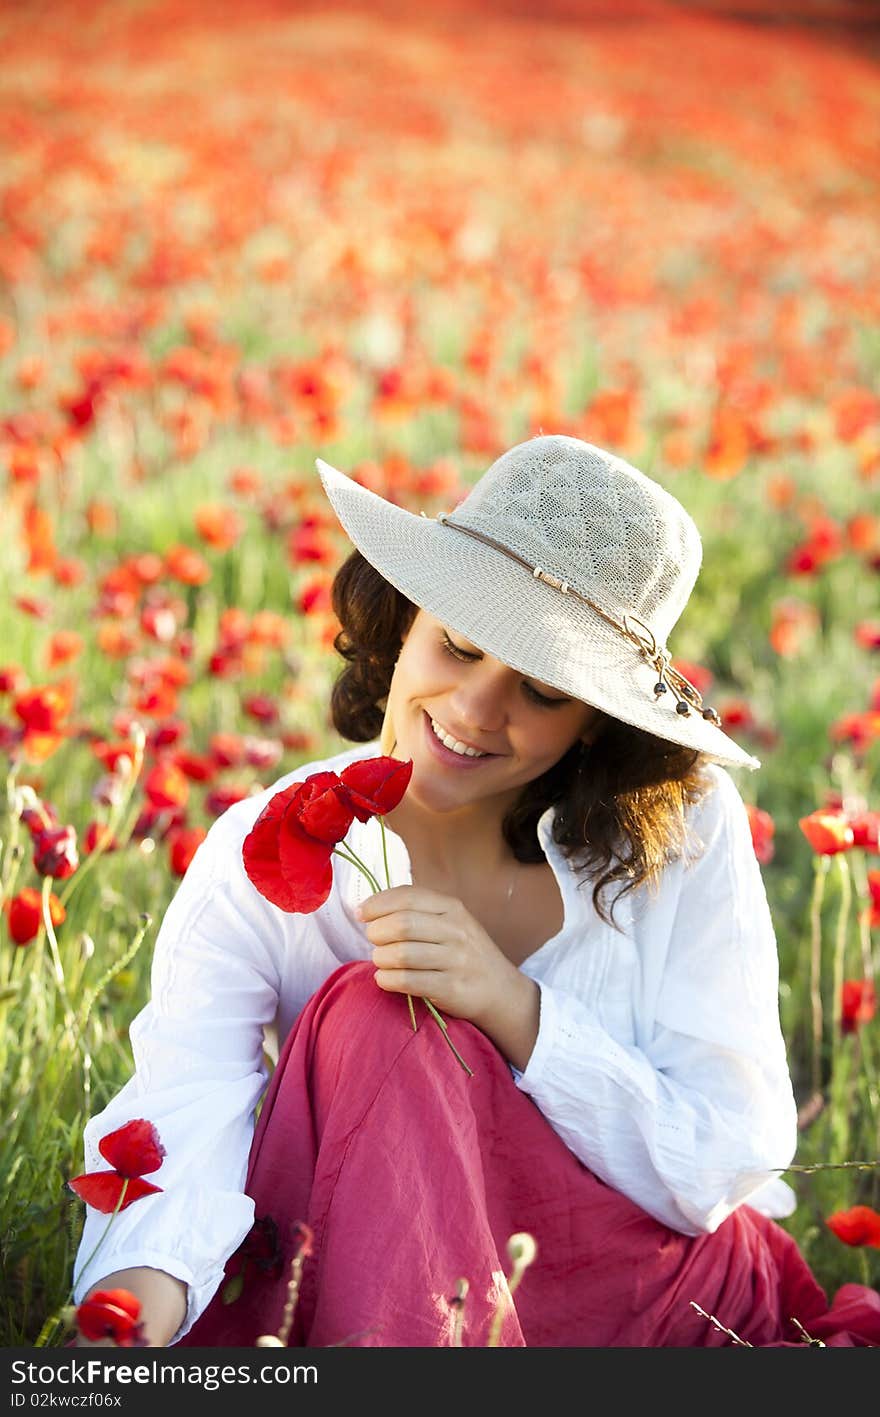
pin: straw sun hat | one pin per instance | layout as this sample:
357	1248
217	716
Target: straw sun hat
565	563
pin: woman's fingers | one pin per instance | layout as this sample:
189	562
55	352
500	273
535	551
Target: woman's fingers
411	954
396	898
410	925
424	983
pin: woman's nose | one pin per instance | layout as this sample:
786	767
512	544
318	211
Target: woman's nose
481	703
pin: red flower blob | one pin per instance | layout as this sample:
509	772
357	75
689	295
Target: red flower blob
111	1313
376	785
132	1150
827	832
860	1225
102	1189
858	1004
288	852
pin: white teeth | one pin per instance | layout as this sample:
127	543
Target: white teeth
461	748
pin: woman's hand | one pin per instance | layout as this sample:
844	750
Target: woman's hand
428	944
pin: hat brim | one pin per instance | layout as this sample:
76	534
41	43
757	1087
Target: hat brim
492	601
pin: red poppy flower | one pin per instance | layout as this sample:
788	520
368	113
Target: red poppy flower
376	785
166	786
55	853
262	1247
860	1225
227	749
111	1313
762	828
44	709
133	1151
866	829
261	707
186	565
102	1189
183	844
24	914
288	866
827	832
98	835
858	1004
287	854
12	679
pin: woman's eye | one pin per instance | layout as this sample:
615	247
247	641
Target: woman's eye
542	698
454	649
533	694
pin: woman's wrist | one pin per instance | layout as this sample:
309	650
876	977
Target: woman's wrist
513	1020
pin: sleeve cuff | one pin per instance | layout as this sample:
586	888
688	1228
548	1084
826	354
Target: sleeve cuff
198	1296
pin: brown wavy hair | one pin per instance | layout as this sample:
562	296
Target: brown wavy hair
620	802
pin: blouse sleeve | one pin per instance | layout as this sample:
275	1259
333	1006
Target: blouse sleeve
700	1117
199	1072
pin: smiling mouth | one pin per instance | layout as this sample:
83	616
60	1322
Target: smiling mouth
455	745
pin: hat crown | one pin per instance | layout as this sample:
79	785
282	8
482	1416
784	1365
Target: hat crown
591	519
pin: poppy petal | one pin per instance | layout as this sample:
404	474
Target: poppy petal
260	851
306	867
381	781
133	1150
102	1189
109	1313
327	814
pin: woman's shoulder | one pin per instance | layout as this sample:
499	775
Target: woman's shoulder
717	813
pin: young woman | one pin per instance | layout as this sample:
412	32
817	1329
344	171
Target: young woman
573	886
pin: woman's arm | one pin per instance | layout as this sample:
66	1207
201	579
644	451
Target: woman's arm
699	1114
199	1074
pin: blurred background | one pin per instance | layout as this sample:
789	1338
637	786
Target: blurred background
237	237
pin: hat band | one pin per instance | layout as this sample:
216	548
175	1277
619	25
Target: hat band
635	630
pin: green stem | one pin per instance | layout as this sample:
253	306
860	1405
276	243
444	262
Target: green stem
104	1233
114	818
69	1015
821	870
52	1325
860	879
353	860
840	941
385	850
409	997
442	1022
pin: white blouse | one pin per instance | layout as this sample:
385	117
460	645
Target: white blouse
659	1059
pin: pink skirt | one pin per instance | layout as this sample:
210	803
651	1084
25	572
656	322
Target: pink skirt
412	1176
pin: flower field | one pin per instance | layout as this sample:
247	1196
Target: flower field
231	243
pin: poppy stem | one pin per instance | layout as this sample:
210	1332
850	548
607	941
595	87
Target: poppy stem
51	1326
353	860
113	1216
69	1015
840	941
821	870
442	1022
409	998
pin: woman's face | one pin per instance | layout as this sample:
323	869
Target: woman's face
523	726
